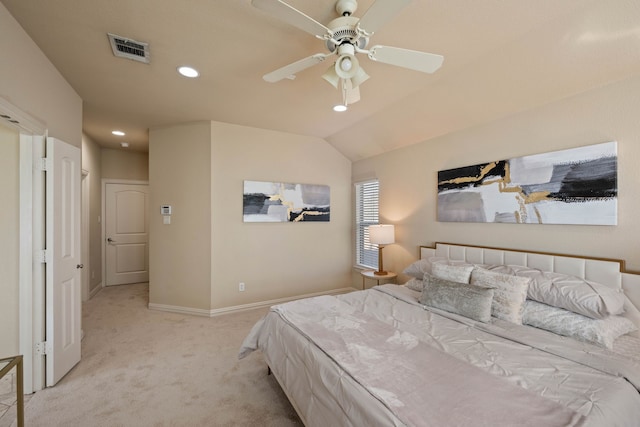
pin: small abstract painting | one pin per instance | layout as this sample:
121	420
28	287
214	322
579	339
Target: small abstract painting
282	202
574	186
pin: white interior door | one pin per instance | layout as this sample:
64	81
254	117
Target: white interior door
126	233
63	279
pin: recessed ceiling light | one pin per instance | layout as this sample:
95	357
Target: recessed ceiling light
124	144
340	108
118	132
188	72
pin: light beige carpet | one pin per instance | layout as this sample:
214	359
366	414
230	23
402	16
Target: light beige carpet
148	368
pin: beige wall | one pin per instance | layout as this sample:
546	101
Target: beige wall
33	84
91	162
408	177
124	164
9	240
275	260
111	164
180	253
198	260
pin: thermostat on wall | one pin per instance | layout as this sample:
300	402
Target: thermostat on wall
165	210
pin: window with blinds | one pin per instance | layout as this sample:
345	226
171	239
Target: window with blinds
366	215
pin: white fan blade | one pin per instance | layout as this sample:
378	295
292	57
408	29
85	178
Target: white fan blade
292	16
292	69
352	94
379	13
412	59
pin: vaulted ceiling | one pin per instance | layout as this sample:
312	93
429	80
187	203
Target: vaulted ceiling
501	57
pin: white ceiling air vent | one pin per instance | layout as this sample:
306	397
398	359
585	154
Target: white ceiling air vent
130	49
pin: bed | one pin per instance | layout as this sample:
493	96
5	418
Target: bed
456	345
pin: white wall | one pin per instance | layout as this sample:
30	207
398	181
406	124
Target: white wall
408	177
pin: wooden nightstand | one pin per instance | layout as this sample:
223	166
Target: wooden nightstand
370	274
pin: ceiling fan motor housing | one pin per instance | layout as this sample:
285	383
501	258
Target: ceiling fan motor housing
344	31
346	7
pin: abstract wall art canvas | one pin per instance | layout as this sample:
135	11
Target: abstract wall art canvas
574	186
283	202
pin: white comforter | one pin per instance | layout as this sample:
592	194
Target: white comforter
326	393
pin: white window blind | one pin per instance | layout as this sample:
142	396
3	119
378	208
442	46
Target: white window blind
366	215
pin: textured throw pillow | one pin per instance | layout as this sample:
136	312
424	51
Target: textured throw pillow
467	300
455	273
415	284
602	332
509	295
418	268
504	269
572	293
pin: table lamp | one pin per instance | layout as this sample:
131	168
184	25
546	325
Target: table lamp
381	235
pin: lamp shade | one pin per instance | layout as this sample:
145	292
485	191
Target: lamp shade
331	76
382	234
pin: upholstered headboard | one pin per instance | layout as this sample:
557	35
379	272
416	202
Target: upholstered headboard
610	272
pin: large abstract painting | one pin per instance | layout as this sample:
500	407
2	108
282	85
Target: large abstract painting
574	186
282	202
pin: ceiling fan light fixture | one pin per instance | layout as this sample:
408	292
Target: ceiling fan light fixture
346	66
340	108
360	77
331	76
345	36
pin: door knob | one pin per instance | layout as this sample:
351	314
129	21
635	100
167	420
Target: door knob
110	240
80	266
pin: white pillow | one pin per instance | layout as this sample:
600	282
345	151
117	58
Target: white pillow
415	284
510	293
572	293
455	273
418	268
602	332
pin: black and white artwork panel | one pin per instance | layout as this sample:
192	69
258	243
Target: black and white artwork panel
574	186
265	201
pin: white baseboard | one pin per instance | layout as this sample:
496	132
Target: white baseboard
97	288
179	309
242	307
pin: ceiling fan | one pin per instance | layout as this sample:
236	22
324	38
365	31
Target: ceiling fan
345	37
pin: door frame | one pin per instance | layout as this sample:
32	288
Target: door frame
31	277
106	181
31	274
85	190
